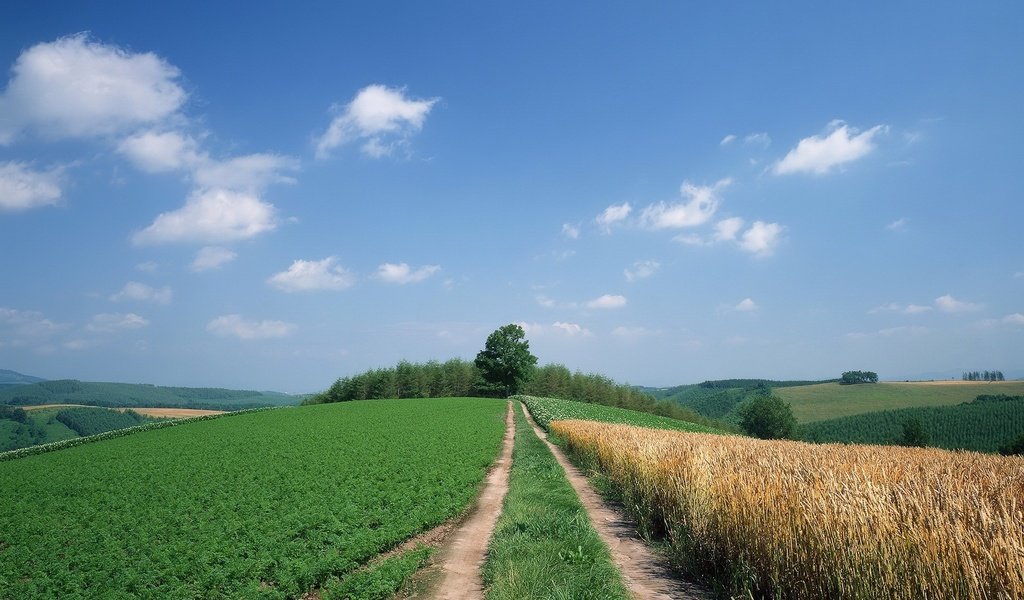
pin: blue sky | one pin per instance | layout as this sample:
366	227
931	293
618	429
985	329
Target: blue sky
271	198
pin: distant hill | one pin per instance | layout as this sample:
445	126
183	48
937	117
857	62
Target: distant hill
719	398
9	378
71	391
831	400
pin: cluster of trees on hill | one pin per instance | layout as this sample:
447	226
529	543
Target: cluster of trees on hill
90	421
984	376
13	413
72	391
854	377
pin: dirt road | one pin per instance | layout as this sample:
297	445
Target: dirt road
644	574
462	559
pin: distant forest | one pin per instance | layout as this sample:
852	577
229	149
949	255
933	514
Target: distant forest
457	377
72	391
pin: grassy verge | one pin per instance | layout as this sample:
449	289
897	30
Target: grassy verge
544	545
381	581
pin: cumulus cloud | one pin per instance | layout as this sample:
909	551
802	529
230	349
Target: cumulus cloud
160	152
607	301
727	229
641	269
23	188
761	239
746	305
700	206
110	322
571	231
950	304
402	273
140	292
557	328
313	275
382	118
571	329
235	326
212	257
613	214
822	154
76	87
212	216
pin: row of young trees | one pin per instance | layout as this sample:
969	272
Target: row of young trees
984	376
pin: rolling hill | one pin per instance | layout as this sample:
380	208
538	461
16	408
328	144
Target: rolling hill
71	391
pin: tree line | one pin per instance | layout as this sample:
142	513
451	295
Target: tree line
983	376
854	377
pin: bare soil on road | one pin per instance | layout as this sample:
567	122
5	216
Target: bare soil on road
646	576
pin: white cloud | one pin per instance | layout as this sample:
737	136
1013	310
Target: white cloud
759	139
212	216
159	152
641	269
236	326
950	304
251	172
691	239
746	305
1014	319
898	225
571	231
28	323
613	214
571	329
313	275
727	140
75	87
22	188
545	301
212	257
633	333
909	309
607	301
901	331
403	273
819	155
135	291
384	118
698	209
726	229
109	322
761	239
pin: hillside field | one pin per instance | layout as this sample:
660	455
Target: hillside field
270	504
831	400
546	410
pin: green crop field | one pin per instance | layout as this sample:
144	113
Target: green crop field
831	400
271	504
545	410
981	426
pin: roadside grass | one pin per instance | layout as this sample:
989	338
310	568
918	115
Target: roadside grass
546	410
831	400
544	546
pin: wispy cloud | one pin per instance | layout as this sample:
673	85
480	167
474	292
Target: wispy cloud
140	292
727	140
571	231
615	213
901	331
212	257
382	118
402	273
641	269
313	275
110	322
24	188
700	205
898	225
235	326
746	305
950	304
906	309
822	154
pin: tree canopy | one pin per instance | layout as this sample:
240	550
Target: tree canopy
852	377
506	363
768	417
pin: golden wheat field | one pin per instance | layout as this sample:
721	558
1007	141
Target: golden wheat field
787	519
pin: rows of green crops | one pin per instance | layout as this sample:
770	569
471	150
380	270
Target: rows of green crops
545	410
265	505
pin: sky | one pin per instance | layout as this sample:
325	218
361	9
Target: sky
275	196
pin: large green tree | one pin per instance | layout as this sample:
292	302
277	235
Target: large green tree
505	362
768	417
